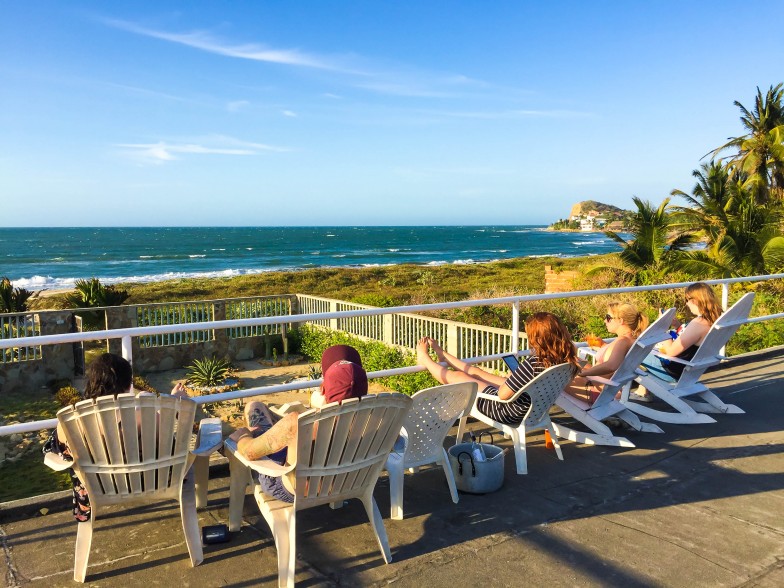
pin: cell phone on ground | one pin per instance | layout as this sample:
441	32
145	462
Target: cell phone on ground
511	362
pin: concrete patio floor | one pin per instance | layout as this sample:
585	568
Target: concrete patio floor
700	505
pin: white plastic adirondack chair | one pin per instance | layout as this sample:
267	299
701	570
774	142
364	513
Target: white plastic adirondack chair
130	449
433	412
338	454
606	405
544	389
689	410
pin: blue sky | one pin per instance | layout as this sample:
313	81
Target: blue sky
365	113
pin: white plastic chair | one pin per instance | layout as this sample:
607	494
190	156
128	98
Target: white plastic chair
677	395
338	454
606	406
544	389
130	449
433	412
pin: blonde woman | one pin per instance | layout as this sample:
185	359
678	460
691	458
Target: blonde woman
626	323
706	308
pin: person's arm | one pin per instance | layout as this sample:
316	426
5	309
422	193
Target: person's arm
613	358
280	435
524	373
693	334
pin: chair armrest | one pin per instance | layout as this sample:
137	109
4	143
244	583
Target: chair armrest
586	352
57	462
601	380
210	437
263	466
284	409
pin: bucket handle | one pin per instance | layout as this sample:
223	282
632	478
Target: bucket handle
460	464
482	434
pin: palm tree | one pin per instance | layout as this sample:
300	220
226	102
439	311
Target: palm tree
742	236
12	299
760	152
651	251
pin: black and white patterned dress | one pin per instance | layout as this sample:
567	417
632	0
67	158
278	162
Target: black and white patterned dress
512	413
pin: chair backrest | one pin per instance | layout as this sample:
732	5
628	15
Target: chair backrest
545	389
341	448
130	447
720	332
656	332
433	412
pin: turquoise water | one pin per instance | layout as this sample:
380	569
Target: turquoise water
56	257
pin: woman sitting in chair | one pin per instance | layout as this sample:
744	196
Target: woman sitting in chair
626	323
107	375
701	302
550	344
269	436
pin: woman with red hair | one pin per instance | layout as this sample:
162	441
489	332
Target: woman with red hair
550	344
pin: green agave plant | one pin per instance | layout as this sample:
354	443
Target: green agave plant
209	371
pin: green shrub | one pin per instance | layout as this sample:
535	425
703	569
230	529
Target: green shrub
375	357
140	384
209	371
67	395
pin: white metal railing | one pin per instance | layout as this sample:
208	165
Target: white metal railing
19	325
405	330
319	317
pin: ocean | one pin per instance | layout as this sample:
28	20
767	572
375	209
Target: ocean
53	258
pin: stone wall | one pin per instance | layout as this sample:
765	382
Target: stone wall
56	363
555	282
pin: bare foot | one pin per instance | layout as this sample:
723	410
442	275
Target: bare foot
436	348
423	355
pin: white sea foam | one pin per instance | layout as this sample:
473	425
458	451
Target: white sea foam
199	256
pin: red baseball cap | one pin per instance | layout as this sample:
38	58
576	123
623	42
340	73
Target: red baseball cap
344	376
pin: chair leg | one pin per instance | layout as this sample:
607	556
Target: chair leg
190	520
239	478
377	523
450	477
461	428
84	538
283	524
554	438
201	469
395	470
518	442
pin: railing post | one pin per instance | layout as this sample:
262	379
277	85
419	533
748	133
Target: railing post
127	348
333	322
725	299
387	328
452	341
515	327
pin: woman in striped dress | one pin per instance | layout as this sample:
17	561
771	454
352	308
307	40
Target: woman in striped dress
550	344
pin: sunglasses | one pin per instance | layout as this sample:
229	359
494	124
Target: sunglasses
608	317
689	298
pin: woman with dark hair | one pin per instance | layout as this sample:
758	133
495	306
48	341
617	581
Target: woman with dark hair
701	302
550	344
106	375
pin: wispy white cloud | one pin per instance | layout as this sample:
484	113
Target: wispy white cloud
289	113
205	41
392	79
237	105
332	96
167	151
512	114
